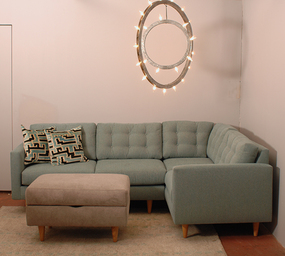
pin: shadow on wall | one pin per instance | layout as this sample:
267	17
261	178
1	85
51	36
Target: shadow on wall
219	55
35	110
276	176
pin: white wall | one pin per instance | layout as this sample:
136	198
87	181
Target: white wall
5	106
263	90
74	61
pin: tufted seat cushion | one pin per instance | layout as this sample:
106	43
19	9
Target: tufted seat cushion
227	145
185	138
129	141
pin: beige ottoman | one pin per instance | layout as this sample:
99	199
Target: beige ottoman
78	200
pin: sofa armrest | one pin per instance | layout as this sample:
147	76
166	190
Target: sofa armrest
220	193
17	157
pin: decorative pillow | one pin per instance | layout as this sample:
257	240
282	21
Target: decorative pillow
35	146
65	146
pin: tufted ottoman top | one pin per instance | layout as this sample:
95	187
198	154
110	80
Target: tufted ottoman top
79	190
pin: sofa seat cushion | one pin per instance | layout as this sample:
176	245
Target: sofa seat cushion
33	171
140	171
171	162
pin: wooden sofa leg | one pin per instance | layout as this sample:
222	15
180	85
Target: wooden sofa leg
185	230
115	231
255	228
42	232
149	205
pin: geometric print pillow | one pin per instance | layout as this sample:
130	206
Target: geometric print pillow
65	146
35	146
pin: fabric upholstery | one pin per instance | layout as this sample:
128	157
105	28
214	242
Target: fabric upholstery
79	190
171	162
35	146
227	145
32	172
85	216
153	192
88	134
185	138
85	200
140	171
65	146
129	141
219	193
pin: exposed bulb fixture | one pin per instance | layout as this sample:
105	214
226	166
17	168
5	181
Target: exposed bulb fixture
143	57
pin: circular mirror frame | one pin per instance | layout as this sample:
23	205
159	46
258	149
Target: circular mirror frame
161	22
141	38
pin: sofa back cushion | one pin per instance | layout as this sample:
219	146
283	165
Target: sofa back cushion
129	141
185	138
88	131
228	145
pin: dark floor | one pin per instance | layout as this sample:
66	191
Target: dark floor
237	239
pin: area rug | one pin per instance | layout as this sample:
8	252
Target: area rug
145	234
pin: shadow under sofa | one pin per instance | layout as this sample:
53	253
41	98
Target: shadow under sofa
207	173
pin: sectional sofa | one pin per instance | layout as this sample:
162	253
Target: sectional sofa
206	172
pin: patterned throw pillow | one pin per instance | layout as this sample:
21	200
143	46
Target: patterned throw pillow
65	146
35	146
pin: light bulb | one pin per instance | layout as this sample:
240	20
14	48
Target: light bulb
189	58
142	13
154	87
160	17
182	9
138	63
145	27
185	24
136	46
189	67
193	53
144	77
137	28
174	88
164	91
182	80
157	70
144	61
150	2
192	38
176	69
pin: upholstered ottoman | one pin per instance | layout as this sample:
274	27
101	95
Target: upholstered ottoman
78	200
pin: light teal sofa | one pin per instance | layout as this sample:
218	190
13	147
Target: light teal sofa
206	172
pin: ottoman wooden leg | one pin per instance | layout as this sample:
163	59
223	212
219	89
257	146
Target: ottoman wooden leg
42	232
115	231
